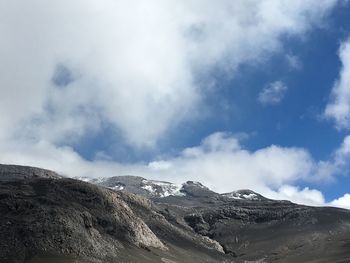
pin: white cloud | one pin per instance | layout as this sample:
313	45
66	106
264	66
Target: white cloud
159	165
220	162
272	93
294	62
343	202
223	164
305	196
338	107
343	152
130	64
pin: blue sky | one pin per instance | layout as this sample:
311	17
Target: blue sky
300	112
233	94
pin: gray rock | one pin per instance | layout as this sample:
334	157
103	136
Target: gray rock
15	172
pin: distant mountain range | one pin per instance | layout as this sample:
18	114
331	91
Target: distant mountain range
158	189
46	217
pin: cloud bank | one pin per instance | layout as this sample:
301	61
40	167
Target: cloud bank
343	201
220	162
70	67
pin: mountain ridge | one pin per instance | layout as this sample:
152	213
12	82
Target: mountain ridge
49	218
160	189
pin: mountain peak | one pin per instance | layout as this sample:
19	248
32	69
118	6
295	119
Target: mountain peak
244	194
195	183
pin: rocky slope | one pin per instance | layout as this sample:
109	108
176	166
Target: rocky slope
48	218
15	172
253	228
54	219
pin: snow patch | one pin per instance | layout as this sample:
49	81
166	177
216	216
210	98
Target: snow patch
90	180
162	189
240	196
117	187
149	188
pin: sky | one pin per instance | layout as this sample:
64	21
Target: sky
234	94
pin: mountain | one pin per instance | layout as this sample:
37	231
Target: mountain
245	194
137	185
49	218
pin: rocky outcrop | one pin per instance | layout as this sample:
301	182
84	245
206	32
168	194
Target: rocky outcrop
67	217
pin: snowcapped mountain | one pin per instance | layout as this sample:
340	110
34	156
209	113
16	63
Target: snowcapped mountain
162	189
151	188
138	185
244	195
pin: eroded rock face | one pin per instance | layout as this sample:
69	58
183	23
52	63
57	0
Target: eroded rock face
45	217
